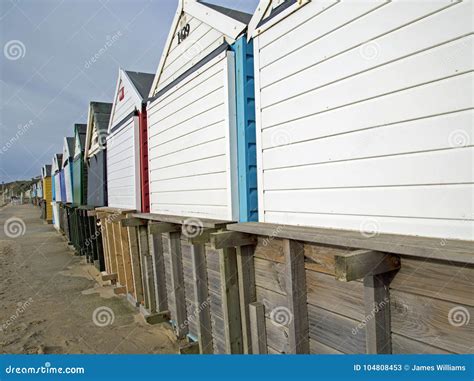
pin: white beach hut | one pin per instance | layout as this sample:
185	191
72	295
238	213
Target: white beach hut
192	115
364	115
127	152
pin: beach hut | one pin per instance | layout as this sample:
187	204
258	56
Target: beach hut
95	153
68	153
47	212
202	169
79	174
363	109
192	120
127	153
56	193
96	167
79	183
127	169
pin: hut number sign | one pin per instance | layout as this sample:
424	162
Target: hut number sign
183	33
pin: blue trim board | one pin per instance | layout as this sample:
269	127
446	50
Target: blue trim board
246	138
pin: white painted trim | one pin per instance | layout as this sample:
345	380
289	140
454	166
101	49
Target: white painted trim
167	47
258	130
138	188
228	26
231	138
88	134
127	82
295	7
115	100
257	16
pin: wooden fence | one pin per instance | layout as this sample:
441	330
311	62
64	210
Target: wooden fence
263	288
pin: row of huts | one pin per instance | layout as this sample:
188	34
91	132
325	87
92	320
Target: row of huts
299	180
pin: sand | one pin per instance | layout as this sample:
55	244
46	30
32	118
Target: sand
53	302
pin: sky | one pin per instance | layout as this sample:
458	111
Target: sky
47	78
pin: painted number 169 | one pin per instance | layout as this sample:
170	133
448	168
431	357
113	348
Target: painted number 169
183	33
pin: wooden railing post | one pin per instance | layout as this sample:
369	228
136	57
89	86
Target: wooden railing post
230	300
177	283
257	328
158	271
247	292
377	309
202	302
295	281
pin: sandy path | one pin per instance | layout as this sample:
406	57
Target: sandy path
48	297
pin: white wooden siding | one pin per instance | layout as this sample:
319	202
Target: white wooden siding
201	41
68	182
125	106
57	187
364	115
190	148
123	187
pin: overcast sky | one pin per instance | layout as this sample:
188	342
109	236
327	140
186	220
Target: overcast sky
47	78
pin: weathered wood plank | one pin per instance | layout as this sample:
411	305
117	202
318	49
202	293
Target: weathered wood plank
377	310
277	337
127	261
440	280
323	290
319	258
433	248
270	275
111	247
189	349
158	265
202	302
247	292
257	328
336	331
132	222
135	263
319	348
143	250
295	279
404	345
230	300
162	227
177	282
182	220
119	254
432	321
361	263
223	240
105	276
